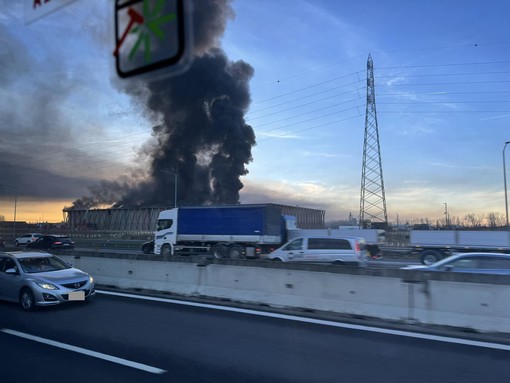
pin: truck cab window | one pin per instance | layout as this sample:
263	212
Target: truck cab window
164	224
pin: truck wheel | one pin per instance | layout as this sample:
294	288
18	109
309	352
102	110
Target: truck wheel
219	251
236	252
428	257
166	251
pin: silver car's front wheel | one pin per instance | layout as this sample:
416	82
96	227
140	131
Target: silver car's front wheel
27	299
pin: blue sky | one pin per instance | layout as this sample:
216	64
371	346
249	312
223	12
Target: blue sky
442	74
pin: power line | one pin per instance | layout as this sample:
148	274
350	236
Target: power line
444	65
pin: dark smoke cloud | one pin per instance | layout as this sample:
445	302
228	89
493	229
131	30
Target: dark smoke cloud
201	134
35	134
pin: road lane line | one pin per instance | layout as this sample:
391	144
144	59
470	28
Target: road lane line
409	334
99	355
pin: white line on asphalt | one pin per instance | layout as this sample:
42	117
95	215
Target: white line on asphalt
114	359
437	338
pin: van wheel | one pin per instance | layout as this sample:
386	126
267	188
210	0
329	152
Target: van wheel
338	263
26	299
236	252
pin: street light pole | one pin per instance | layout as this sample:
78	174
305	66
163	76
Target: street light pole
175	185
504	178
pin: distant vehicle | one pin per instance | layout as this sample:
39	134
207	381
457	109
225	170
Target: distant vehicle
483	263
148	247
434	245
41	279
51	242
26	238
336	250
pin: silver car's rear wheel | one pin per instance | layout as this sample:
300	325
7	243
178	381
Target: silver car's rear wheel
26	299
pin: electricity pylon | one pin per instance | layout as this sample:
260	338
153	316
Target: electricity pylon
372	210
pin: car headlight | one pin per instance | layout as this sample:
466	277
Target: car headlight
91	280
47	286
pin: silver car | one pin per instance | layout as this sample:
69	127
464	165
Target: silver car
481	263
36	278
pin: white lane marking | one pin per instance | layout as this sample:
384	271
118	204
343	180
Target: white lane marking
437	338
114	359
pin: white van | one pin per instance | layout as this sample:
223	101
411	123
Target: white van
336	250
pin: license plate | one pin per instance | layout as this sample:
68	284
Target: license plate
77	296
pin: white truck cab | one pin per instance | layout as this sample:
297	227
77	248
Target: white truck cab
166	232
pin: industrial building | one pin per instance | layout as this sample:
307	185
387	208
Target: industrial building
143	219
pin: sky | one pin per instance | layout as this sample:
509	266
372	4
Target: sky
442	76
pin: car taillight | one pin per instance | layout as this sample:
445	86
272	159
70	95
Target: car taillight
357	247
57	243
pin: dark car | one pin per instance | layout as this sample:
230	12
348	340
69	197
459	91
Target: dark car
51	242
483	263
148	247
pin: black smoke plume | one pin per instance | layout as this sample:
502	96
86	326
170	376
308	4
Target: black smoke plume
201	135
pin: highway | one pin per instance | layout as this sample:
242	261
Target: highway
126	339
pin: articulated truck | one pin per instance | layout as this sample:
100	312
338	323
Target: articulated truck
237	231
224	231
433	245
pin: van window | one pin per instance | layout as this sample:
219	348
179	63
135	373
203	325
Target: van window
329	244
297	244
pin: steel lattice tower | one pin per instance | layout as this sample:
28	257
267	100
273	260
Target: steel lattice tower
372	208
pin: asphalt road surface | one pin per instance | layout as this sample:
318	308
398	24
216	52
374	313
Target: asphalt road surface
123	339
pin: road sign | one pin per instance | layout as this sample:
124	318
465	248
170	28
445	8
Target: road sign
150	35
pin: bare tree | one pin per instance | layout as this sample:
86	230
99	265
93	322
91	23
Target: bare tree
473	220
495	219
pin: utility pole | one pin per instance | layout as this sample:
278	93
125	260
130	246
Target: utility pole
504	178
372	208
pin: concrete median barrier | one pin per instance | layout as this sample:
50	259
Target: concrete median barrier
477	302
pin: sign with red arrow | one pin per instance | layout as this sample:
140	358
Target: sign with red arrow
150	35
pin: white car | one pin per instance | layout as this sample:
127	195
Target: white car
336	250
26	238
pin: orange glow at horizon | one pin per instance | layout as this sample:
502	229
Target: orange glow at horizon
33	211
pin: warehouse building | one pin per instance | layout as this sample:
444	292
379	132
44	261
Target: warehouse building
143	219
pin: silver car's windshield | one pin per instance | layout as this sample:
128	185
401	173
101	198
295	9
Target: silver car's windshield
42	264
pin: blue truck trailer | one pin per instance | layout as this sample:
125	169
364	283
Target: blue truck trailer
235	231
